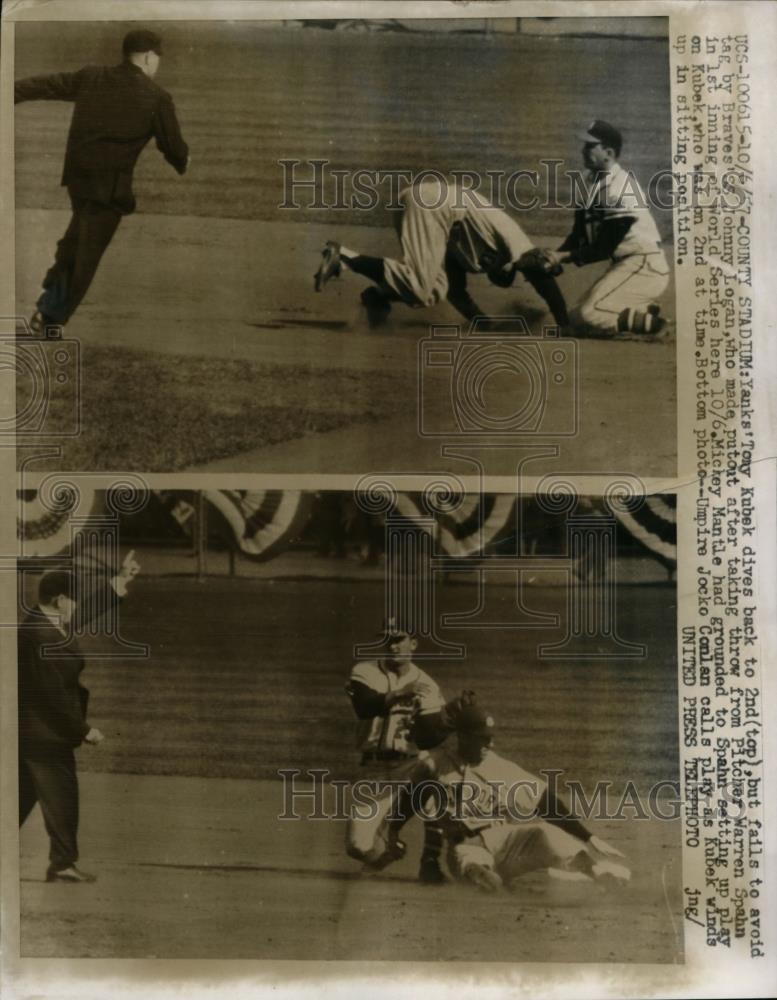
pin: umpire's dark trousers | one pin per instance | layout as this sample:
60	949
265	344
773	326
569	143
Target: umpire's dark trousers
48	776
78	255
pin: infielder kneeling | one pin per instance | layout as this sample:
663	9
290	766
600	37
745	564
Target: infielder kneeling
446	233
501	822
614	223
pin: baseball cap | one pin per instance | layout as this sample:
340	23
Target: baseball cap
141	40
473	719
391	630
603	132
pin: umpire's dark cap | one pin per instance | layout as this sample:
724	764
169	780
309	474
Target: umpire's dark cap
606	134
141	41
55	584
474	720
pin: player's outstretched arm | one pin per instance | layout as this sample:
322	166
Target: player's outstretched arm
553	810
167	133
57	87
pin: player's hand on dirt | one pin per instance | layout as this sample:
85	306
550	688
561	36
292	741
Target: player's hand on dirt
604	848
94	736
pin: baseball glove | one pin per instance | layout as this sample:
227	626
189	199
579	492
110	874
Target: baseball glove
496	267
453	708
539	259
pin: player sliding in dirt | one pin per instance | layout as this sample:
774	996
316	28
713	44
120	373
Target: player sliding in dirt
446	233
501	822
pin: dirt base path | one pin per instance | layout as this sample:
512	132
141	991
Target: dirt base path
243	290
202	868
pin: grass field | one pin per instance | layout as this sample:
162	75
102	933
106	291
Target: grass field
180	802
192	409
211	266
249	96
267	680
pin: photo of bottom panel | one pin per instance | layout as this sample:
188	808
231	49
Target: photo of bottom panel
357	726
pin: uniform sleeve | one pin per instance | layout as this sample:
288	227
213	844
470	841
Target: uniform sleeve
611	232
428	695
577	236
553	810
58	87
93	604
168	136
44	685
366	701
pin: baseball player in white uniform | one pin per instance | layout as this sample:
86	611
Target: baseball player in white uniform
401	713
615	223
502	822
446	232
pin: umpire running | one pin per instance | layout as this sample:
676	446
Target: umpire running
117	110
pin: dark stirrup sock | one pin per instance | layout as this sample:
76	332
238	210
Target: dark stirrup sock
546	286
370	267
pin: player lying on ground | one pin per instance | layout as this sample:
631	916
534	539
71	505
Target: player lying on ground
402	714
460	234
483	799
615	224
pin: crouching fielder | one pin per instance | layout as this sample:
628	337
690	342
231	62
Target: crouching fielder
614	223
501	822
446	233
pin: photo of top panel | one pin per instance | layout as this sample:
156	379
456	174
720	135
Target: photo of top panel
338	245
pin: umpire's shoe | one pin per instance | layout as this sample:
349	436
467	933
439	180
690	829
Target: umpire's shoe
42	326
330	265
377	305
69	874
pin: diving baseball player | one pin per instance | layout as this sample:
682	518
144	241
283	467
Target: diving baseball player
401	714
614	223
500	821
446	232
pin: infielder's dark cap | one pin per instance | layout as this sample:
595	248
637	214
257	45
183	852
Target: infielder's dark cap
392	632
603	132
474	720
141	41
55	584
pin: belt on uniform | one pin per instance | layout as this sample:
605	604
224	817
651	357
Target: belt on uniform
386	755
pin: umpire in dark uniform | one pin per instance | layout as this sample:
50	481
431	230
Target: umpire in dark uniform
118	109
53	716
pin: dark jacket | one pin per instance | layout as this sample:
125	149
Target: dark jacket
117	110
52	701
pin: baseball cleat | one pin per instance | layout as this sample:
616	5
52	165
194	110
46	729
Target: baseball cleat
611	871
564	875
377	306
485	879
330	266
69	874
